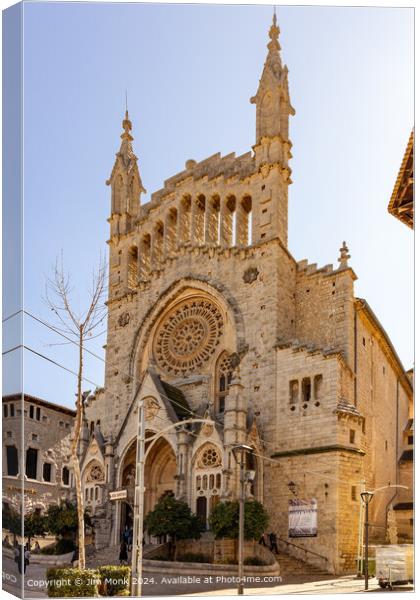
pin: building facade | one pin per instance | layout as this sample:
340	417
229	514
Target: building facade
36	449
209	315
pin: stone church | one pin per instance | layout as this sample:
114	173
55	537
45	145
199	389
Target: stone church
210	315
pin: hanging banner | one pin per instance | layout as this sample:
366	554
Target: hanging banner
303	518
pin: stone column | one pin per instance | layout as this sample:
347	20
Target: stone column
234	432
183	471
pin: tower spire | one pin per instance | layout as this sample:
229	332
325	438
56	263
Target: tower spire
272	98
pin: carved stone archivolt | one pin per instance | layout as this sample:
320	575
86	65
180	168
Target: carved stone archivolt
188	336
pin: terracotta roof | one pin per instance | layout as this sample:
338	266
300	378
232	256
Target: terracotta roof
40	402
401	204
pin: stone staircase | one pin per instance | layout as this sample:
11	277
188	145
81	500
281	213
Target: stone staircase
293	568
109	556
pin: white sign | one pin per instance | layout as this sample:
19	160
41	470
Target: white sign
303	517
118	495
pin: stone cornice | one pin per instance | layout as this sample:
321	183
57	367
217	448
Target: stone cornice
318	450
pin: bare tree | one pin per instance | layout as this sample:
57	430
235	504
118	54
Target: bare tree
80	327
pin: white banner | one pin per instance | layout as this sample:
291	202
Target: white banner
303	518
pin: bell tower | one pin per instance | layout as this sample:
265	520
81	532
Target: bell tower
273	147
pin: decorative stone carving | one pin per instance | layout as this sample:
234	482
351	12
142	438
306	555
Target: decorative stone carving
188	336
207	429
250	275
124	319
210	457
151	407
96	473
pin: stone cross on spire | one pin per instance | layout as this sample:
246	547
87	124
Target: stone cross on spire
344	256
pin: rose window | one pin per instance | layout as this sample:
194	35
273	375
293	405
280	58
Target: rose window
210	457
95	474
188	337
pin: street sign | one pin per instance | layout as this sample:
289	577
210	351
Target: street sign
118	495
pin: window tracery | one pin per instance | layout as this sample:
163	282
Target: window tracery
188	336
223	380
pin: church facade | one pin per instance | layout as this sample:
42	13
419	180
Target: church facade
210	316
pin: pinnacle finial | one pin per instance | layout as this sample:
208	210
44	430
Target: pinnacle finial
127	126
344	256
274	45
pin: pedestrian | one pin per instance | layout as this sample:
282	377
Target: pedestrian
130	539
75	557
26	557
262	540
273	542
123	553
126	534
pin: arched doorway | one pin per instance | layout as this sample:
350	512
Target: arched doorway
159	478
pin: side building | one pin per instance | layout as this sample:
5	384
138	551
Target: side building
40	453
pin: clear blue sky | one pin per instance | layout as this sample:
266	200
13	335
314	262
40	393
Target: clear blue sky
190	71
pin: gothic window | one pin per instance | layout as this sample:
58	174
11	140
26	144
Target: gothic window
65	476
12	460
213	221
293	391
187	338
157	249
198	481
223	379
210	457
170	231
228	220
38	413
145	256
132	267
31	411
185	220
31	463
5	410
198	213
306	389
243	222
12	410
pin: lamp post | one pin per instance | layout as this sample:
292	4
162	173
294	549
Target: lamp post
366	497
239	452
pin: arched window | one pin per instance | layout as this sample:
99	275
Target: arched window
244	222
212	225
223	379
145	250
170	232
227	224
198	213
132	267
157	249
184	224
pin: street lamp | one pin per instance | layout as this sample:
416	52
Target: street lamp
366	497
239	452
